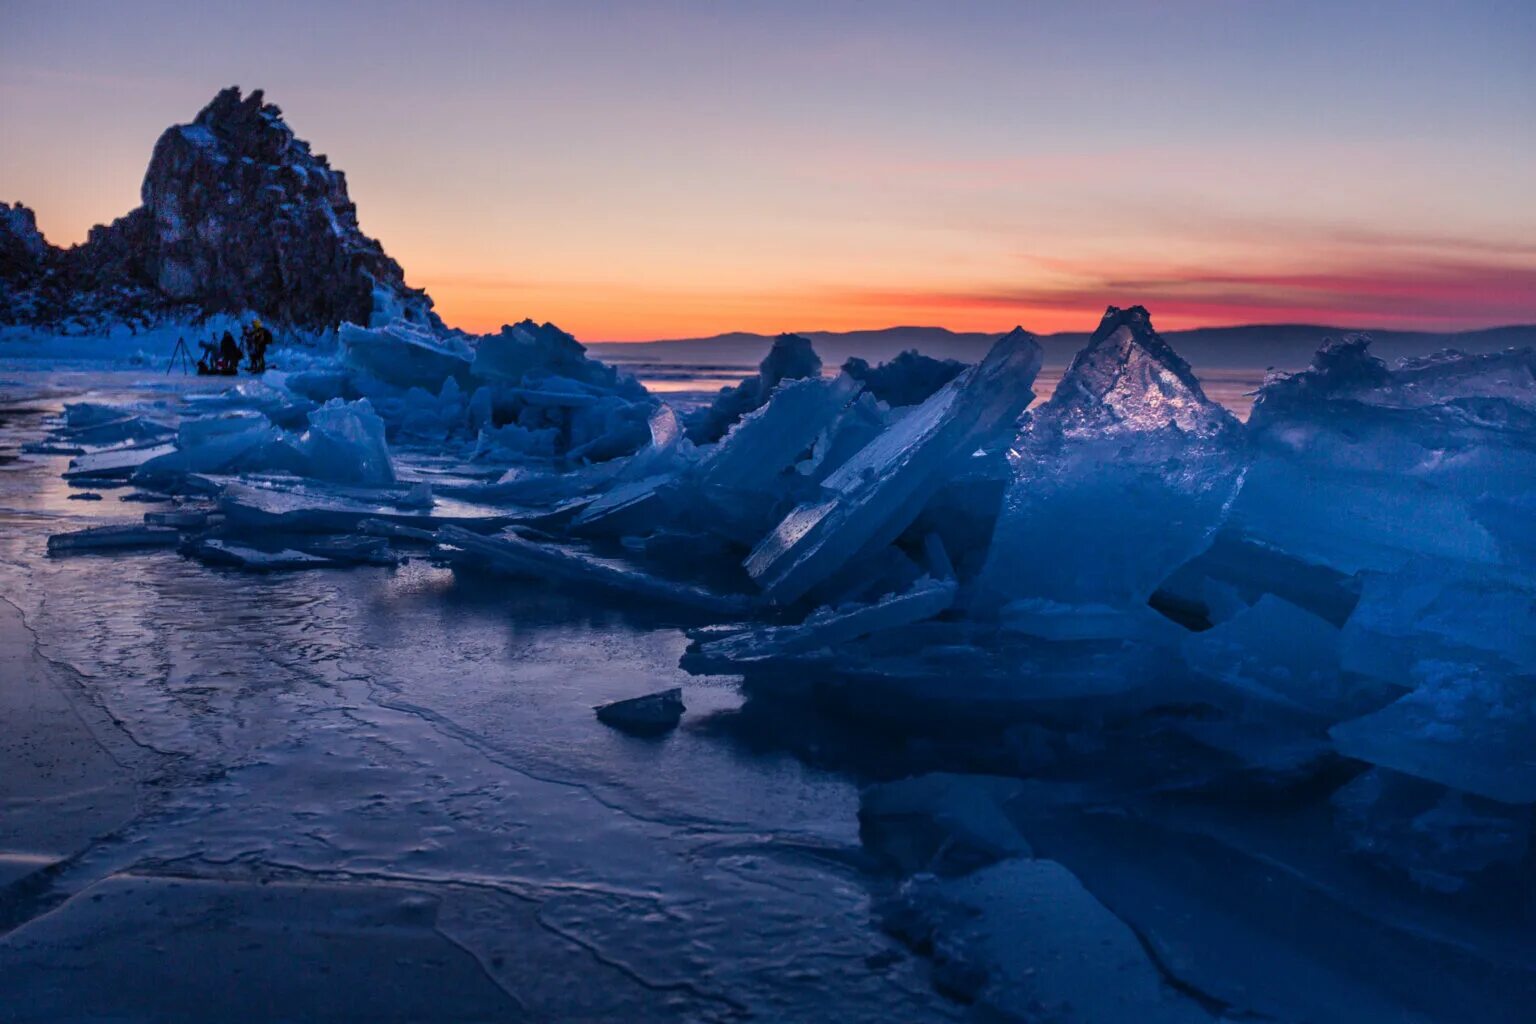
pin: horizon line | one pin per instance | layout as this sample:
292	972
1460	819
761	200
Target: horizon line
1299	324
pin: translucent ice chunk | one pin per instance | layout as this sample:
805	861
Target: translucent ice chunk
1360	467
1122	476
345	444
871	498
403	354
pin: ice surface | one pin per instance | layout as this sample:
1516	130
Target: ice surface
1179	707
868	501
1120	477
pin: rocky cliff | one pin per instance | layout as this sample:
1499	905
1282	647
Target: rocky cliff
238	215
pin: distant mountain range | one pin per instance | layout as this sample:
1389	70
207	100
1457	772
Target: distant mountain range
1283	346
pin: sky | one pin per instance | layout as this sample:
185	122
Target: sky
653	170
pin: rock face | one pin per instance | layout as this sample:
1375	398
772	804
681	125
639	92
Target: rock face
238	215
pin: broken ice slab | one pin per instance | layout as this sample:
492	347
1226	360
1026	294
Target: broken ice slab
1465	728
1027	934
941	822
222	445
871	498
178	519
298	506
50	448
651	715
273	552
772	438
1251	569
1439	838
965	674
790	358
345	444
512	554
908	379
528	351
636	506
1059	622
1433	612
396	531
403	355
114	463
215	551
104	538
825	628
1276	652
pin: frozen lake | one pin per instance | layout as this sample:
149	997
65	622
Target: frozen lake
381	794
204	761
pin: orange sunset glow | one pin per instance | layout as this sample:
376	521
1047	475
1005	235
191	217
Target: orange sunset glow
646	174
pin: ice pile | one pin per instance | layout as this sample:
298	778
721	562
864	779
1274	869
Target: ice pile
1337	599
526	393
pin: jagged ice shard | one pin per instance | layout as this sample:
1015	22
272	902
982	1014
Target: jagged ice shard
871	498
1117	479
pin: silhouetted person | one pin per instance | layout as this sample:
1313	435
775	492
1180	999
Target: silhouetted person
229	353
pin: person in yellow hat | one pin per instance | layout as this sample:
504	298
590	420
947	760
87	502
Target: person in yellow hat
257	340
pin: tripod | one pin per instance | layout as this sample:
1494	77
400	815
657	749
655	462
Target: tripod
180	353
